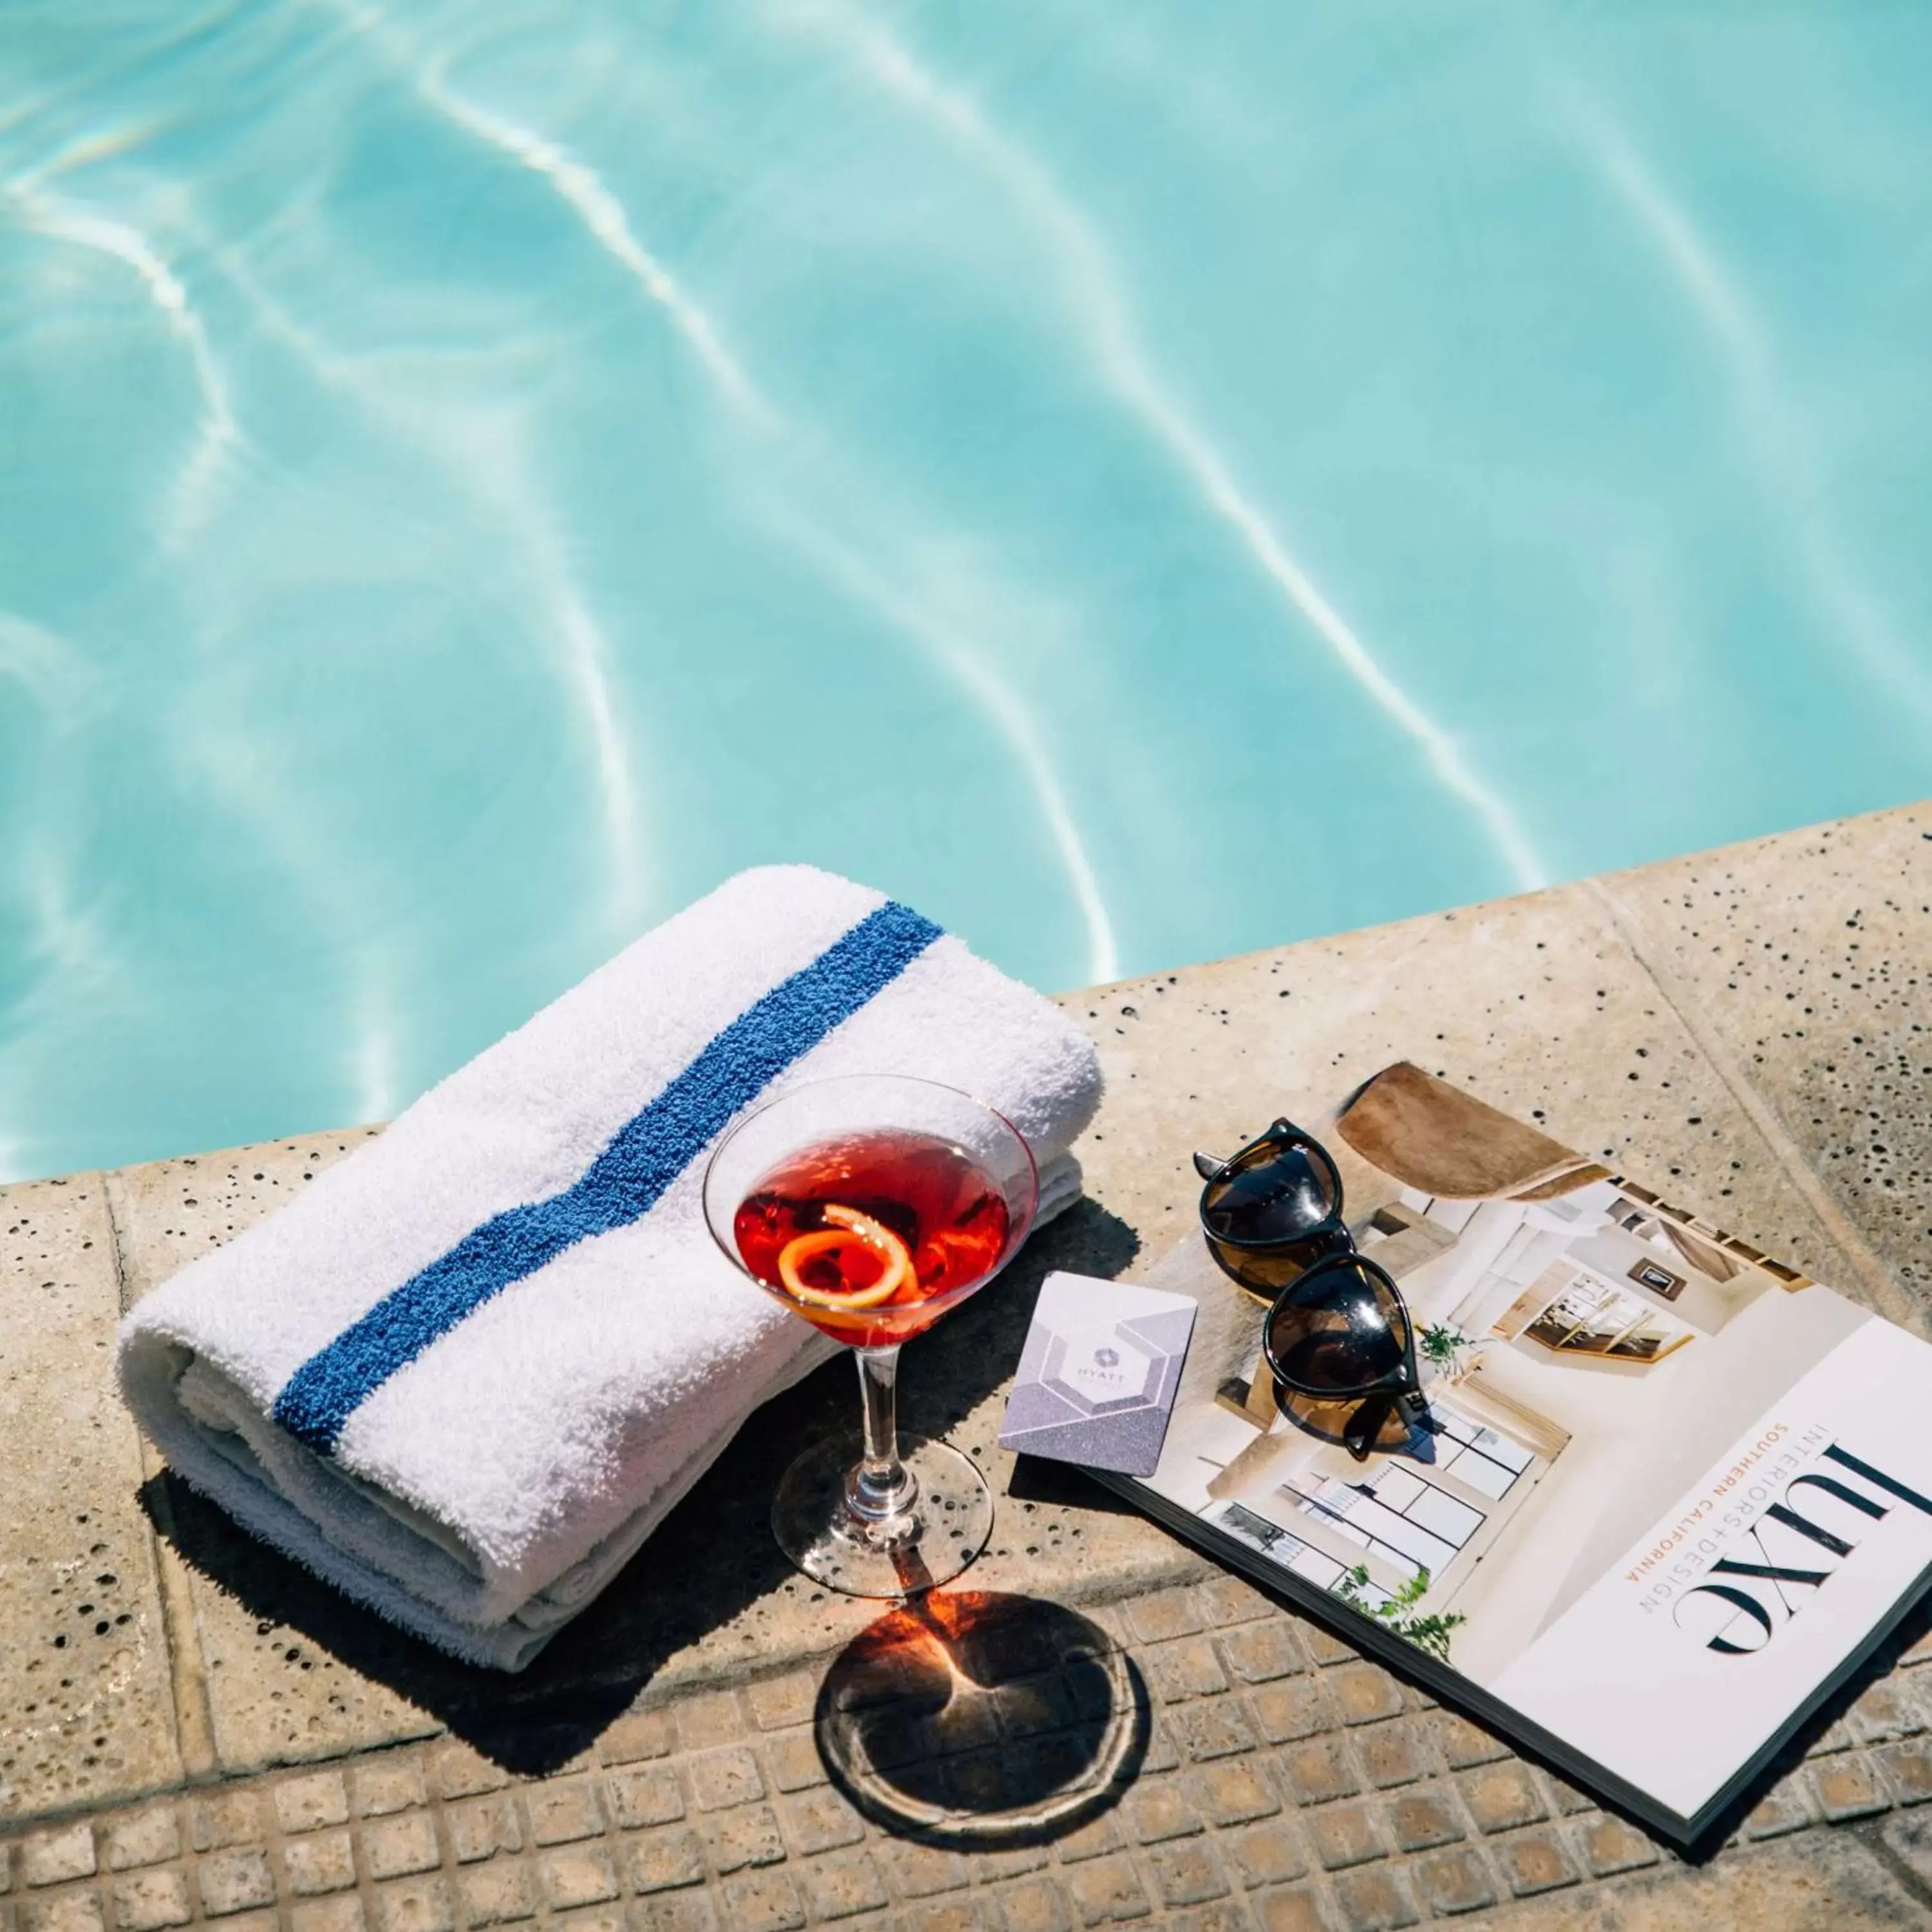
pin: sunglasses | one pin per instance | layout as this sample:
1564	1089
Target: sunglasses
1337	1338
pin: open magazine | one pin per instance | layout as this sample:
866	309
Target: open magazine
1672	1493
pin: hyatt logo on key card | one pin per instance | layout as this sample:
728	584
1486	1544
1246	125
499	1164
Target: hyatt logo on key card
1097	1377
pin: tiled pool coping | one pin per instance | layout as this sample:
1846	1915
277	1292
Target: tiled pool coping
1748	1026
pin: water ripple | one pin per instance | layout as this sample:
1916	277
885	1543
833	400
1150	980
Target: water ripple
604	215
578	185
482	452
218	440
1783	469
1129	371
932	619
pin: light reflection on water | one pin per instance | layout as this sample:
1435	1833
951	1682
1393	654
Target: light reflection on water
1140	484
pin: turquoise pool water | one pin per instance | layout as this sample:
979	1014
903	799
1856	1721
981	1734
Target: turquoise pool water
1141	480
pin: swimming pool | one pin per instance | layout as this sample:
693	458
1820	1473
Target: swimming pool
1140	481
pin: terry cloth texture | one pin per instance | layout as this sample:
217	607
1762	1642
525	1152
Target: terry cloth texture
466	1373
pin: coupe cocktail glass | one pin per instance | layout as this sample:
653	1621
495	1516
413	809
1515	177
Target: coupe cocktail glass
870	1204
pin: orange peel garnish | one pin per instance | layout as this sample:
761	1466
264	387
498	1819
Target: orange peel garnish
848	1226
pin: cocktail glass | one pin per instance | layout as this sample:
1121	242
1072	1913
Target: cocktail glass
870	1204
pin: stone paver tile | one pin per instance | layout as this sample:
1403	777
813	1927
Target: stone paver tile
709	1718
649	1796
1225	1914
721	1779
1365	1692
307	1803
1301	1707
820	1821
1324	1645
1803	954
749	1837
1217	1727
839	1886
1162	1614
1295	1908
50	1857
1609	1845
1108	1891
563	1812
145	1838
1454	1881
794	1761
920	1871
63	1912
1268	1854
1258	1653
764	1901
1848	1788
415	1905
232	1881
1534	1861
339	1914
480	1828
1224	1600
234	1817
1785	1807
779	1701
665	1860
1186	1668
324	1861
455	1771
1379	1900
146	1900
392	1781
1422	1819
1033	1905
969	1913
1344	1834
1319	1771
1233	1792
1907	1769
1502	1797
637	1735
496	1894
1393	1753
1462	1743
395	1847
1161	1809
576	1875
1089	1840
676	1911
1187	1873
86	1655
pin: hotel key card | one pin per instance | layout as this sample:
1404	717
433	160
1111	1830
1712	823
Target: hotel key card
1097	1376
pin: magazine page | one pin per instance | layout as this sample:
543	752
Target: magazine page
1668	1485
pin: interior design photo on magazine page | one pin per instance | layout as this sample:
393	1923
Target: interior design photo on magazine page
1653	1495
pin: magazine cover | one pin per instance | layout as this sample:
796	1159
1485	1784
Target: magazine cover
1657	1492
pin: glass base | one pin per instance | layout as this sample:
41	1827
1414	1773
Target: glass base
944	1527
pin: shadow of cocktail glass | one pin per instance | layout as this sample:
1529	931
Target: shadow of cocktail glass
982	1719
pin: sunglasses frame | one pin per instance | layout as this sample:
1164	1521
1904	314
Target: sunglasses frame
1400	1387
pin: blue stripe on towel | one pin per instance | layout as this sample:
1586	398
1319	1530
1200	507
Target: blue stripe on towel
622	1184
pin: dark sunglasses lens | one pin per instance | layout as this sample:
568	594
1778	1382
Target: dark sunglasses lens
1273	1193
1340	1329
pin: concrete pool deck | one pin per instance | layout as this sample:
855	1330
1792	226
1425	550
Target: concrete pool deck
192	1731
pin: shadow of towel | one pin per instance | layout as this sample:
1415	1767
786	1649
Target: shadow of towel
717	1544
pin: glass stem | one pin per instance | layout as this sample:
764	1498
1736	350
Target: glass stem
881	1486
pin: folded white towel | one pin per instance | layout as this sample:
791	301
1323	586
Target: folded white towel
468	1371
